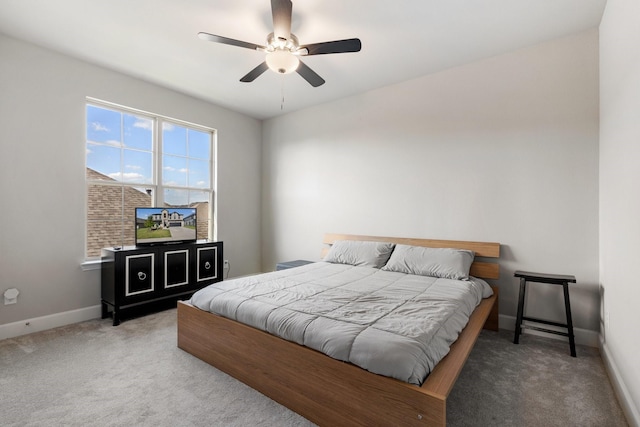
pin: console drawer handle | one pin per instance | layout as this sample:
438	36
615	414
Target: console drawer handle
207	265
142	275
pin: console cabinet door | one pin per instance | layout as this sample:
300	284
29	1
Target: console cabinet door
139	274
176	268
207	263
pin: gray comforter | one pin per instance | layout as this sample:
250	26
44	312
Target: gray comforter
392	324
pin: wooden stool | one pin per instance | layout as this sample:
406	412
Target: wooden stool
554	279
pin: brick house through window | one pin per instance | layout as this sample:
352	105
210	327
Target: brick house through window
111	213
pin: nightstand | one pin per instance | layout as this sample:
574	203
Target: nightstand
291	264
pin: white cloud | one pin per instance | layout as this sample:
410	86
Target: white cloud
143	123
97	126
127	177
134	167
172	169
167	126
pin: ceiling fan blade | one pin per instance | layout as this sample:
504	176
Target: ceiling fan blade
255	73
309	75
281	11
337	46
232	42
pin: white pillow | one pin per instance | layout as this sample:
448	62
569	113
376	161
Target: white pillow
434	262
360	253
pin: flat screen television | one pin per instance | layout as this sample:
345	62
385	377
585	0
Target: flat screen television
161	226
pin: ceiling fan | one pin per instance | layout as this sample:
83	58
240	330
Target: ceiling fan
283	51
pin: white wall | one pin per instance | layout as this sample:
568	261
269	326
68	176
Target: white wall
503	150
619	196
42	169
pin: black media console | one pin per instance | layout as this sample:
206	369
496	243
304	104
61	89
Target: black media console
135	279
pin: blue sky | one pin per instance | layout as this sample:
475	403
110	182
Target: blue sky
120	145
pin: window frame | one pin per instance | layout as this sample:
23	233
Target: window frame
157	164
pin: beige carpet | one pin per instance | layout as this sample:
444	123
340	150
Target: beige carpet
93	374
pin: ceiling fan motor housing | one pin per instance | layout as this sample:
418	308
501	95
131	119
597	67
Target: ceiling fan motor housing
274	43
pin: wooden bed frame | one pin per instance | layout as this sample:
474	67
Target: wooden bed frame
327	391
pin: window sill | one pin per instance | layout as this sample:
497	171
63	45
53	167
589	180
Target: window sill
92	264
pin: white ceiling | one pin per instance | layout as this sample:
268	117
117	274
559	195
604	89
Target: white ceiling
156	40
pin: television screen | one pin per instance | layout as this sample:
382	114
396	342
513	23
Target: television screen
156	226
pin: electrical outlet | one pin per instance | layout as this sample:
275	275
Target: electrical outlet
11	296
226	264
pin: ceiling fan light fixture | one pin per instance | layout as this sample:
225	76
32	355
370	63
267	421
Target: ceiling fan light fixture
282	61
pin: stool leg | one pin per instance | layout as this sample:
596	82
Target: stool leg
523	289
567	307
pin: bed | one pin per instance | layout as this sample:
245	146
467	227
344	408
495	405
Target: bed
328	391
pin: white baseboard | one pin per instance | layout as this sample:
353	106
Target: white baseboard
582	336
43	323
629	407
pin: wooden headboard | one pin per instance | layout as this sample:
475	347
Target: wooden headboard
481	269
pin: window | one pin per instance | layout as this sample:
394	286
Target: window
136	159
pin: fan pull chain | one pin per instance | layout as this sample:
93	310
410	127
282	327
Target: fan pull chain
282	92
